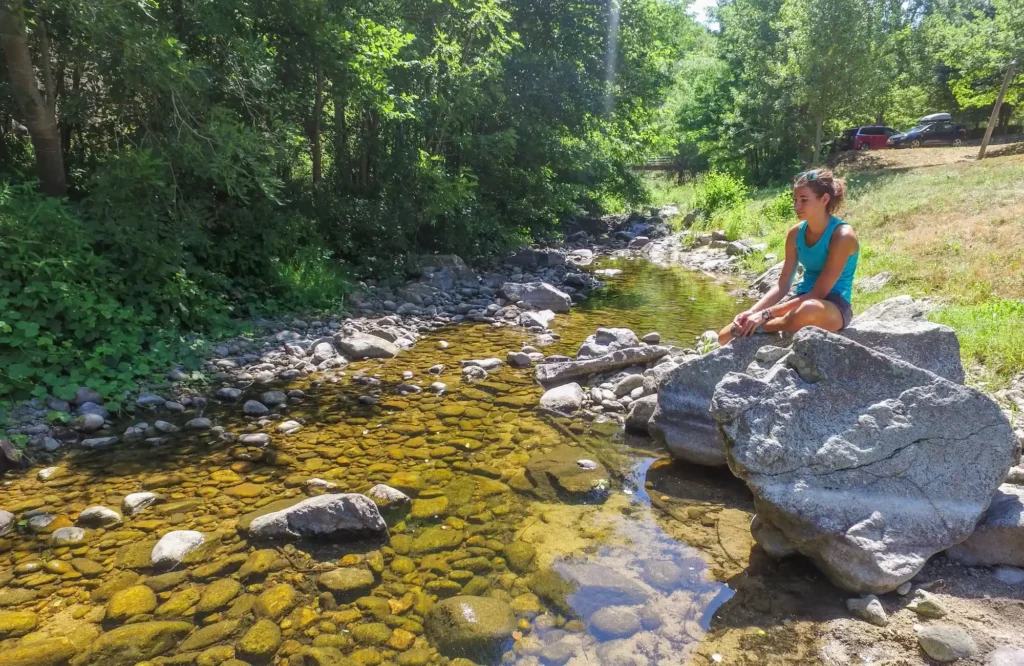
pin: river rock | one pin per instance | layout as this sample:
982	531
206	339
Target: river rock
945	642
347	583
7	522
607	340
566	399
869	609
133	643
638	417
1005	656
539	295
136	502
129	602
174	546
682	420
255	408
551	374
566	474
867	465
592	586
54	651
540	318
99	442
17	623
342	516
89	422
614	622
358	346
99	516
274	398
85	394
897	327
999	536
200	423
67	536
518	359
475	628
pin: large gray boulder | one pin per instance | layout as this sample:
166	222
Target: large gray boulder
341	516
445	271
865	463
638	419
567	399
549	374
897	327
361	345
607	340
538	295
999	536
682	421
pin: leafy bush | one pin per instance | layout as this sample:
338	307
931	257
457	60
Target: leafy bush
718	191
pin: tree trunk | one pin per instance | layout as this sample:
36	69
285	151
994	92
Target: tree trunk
818	126
38	113
1011	73
340	141
313	127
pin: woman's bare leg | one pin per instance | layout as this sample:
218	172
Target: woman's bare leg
814	312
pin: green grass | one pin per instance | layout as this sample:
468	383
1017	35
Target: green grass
953	232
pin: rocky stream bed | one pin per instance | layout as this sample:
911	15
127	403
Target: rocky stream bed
400	489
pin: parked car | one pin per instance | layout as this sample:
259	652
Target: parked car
939	133
869	137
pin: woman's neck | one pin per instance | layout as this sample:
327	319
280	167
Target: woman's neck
818	224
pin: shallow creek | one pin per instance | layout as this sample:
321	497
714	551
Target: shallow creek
670	548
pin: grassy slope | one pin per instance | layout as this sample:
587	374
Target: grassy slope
953	231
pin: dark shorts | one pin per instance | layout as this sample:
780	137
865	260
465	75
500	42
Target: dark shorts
845	309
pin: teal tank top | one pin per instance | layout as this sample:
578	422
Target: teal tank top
813	258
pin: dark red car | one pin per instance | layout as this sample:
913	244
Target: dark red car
869	137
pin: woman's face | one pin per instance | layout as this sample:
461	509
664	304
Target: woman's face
808	204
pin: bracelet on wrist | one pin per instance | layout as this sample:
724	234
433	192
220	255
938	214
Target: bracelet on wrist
766	315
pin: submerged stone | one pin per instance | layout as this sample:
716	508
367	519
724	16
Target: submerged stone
476	628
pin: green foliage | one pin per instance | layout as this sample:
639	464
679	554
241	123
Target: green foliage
718	191
990	333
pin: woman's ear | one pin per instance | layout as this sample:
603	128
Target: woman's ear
825	198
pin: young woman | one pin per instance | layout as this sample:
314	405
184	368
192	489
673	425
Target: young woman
827	248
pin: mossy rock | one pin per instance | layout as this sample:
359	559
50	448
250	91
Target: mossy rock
260	563
427	509
179	603
477	628
132	643
476	586
367	657
414	657
402	565
86	567
519	555
276	601
436	539
401	543
138	555
15	596
375	606
552	588
166	581
220	567
218	594
17	623
209	635
374	633
347	583
324	656
260	642
50	652
129	602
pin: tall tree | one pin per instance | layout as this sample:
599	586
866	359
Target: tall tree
38	106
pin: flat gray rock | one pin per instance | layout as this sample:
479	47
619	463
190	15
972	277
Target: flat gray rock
539	295
566	399
946	642
897	327
682	421
361	345
172	547
999	536
597	586
866	464
607	340
341	516
549	374
614	622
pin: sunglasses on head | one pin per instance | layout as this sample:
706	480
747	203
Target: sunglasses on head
811	175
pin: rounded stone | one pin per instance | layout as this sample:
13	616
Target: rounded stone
519	556
99	516
132	601
218	594
17	623
174	546
662	574
132	643
255	408
614	622
946	642
67	536
260	642
374	633
476	628
347	583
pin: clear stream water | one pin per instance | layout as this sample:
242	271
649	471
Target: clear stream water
669	551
